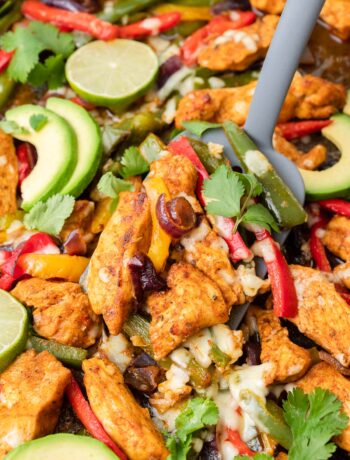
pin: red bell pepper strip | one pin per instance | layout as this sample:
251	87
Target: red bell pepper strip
25	158
336	206
284	295
234	437
224	225
345	296
84	22
85	414
151	26
4	255
5	59
6	282
317	248
39	243
218	25
85	104
296	129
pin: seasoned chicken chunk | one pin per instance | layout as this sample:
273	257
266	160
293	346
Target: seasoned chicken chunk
325	376
289	361
80	220
192	303
127	423
269	6
308	97
342	273
8	175
336	13
238	49
179	175
323	315
208	252
317	97
337	237
110	287
62	311
306	160
31	392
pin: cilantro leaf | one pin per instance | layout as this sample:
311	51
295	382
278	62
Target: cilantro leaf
29	42
11	127
51	71
259	215
256	457
111	186
133	163
52	39
223	192
314	419
38	121
252	185
198	413
198	127
49	216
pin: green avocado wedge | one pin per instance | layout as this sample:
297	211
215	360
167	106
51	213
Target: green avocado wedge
89	143
55	143
334	181
62	447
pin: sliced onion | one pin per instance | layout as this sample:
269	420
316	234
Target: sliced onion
334	362
227	5
175	217
75	244
85	6
144	275
167	69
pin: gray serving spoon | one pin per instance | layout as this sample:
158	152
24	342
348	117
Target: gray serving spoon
290	40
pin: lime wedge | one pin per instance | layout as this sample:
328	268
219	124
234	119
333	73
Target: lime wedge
13	328
112	73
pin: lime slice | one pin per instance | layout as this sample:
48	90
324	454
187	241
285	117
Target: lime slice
112	73
13	328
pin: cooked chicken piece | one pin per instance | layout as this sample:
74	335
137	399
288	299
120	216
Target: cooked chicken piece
289	361
325	376
269	6
238	49
282	456
308	97
179	175
62	311
208	252
336	13
127	423
8	175
192	303
309	160
323	315
337	237
317	97
342	272
31	392
80	220
110	287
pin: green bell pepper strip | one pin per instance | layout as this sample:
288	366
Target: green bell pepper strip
193	2
152	148
118	9
220	358
279	199
7	87
211	162
239	79
140	125
10	17
267	416
71	356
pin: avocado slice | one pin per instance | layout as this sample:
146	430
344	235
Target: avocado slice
334	181
55	143
62	447
89	143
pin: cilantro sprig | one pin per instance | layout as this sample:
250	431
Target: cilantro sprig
49	216
111	186
133	163
230	194
198	413
29	42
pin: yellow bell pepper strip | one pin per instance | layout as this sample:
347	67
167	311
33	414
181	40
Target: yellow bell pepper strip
160	242
102	214
47	266
188	13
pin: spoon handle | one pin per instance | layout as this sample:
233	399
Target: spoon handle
293	32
